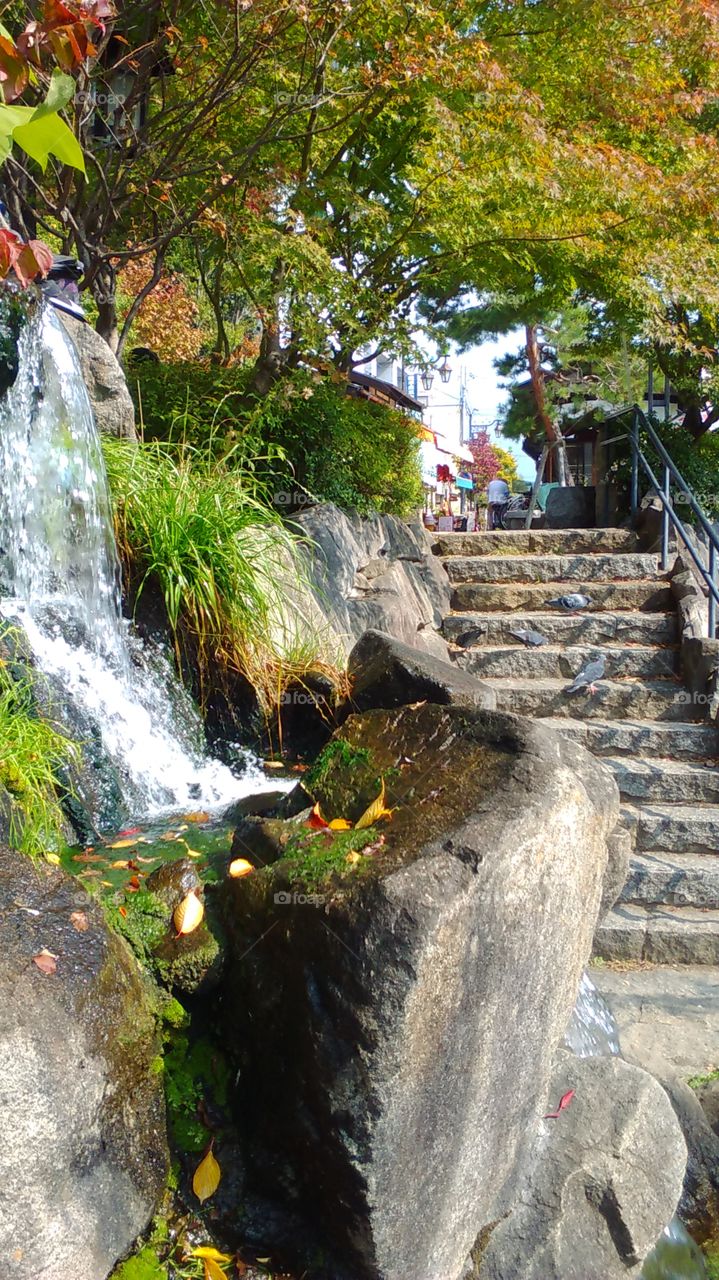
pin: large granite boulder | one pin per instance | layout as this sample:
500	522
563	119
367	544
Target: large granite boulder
395	994
384	672
104	378
606	1182
82	1131
377	573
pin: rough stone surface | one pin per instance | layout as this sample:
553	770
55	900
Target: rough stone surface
647	738
571	507
105	381
375	573
377	1097
570	628
535	542
659	934
386	673
652	597
599	567
82	1129
619	845
607	1180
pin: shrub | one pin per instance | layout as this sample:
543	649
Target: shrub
205	534
34	755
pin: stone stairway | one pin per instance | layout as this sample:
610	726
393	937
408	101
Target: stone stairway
641	720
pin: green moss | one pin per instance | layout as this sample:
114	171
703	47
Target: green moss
144	1266
313	857
337	754
695	1082
145	923
195	1071
711	1259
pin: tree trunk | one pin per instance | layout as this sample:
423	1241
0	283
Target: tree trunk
271	359
551	431
104	291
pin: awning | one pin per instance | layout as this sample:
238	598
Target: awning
464	482
454	450
464	453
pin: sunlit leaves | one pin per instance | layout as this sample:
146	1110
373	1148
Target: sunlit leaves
206	1178
188	914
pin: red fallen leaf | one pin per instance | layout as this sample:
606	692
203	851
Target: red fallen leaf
132	885
564	1102
79	921
128	831
45	961
315	820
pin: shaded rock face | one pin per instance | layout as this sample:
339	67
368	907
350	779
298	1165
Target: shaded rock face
571	508
81	1109
375	573
606	1182
105	381
395	1027
386	673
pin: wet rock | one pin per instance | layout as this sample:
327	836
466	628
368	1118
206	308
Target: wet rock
394	1017
606	1182
260	803
82	1126
699	1205
189	963
386	673
105	381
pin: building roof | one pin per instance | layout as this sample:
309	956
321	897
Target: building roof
386	391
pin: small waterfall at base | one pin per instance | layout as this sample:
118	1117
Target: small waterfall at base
60	583
592	1030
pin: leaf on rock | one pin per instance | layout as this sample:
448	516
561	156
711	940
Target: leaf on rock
213	1271
119	862
315	820
240	867
53	859
340	824
188	913
208	1251
206	1179
79	921
564	1102
375	811
121	844
46	961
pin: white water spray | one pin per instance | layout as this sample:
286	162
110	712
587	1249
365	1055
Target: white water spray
60	581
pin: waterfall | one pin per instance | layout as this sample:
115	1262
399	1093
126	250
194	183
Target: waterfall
60	583
592	1030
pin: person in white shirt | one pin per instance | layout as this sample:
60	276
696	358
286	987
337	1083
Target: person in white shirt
497	500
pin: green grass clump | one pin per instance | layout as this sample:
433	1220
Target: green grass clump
337	753
203	530
34	755
696	1082
311	859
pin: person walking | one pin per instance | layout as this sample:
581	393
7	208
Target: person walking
497	502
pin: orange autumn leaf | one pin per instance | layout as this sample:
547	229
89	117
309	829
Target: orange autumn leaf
375	811
46	961
199	816
340	824
79	921
240	867
188	914
315	820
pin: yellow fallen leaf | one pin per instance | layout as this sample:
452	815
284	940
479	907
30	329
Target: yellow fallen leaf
207	1251
340	824
206	1178
212	1271
188	913
199	816
122	844
193	853
119	862
53	859
353	858
240	867
264	1261
376	810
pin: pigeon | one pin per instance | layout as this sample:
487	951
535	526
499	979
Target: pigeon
585	679
572	602
529	638
468	638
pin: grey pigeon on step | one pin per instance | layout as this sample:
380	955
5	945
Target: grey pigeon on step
529	638
572	602
586	678
470	637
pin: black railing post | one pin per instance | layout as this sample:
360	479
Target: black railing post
635	464
667	497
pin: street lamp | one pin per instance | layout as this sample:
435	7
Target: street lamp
445	370
427	378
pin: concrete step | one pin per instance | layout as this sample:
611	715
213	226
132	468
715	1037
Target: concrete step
663	739
535	541
568	628
673	828
664	935
650	597
564	663
665	781
683	880
618	699
600	567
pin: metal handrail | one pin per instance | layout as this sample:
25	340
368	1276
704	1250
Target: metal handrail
669	515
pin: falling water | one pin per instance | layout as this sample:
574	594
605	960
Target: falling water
59	579
592	1030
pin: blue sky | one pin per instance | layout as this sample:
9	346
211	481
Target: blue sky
485	395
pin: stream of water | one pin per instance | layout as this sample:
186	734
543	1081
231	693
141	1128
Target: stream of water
60	583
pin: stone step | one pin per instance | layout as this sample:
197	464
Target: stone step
568	628
662	739
662	934
684	880
650	597
564	662
600	567
673	828
665	781
535	541
633	699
